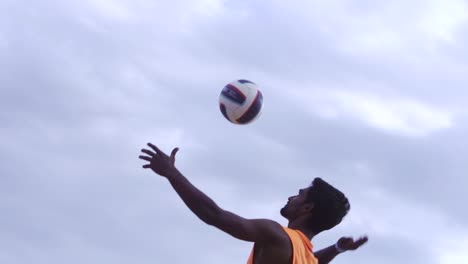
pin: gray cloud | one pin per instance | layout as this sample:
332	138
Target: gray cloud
85	85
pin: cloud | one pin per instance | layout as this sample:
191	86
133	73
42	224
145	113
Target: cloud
455	252
370	96
393	115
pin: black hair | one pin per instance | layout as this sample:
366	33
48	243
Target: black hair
330	206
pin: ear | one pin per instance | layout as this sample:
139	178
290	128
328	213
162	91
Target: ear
308	207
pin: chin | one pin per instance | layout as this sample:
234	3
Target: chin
283	212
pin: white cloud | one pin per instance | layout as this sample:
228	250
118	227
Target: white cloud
388	215
455	249
92	81
210	7
113	9
384	29
394	115
441	19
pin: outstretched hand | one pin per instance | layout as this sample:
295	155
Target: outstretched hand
348	243
159	162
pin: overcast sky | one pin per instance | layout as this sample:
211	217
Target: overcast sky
369	95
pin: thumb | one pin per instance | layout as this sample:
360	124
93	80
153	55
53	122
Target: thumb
173	154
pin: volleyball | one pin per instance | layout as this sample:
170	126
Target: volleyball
241	102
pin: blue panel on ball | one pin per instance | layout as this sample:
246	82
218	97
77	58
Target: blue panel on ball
245	81
222	107
232	93
253	110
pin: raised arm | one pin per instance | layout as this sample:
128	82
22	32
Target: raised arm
344	244
253	230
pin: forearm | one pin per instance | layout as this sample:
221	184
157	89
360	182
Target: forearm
326	255
198	202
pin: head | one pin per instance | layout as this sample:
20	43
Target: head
320	206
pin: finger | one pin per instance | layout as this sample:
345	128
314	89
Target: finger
173	153
149	152
145	158
361	241
363	238
156	149
147	166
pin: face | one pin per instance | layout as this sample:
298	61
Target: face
296	205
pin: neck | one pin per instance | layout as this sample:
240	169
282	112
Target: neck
299	225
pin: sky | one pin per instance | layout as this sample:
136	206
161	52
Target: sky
368	95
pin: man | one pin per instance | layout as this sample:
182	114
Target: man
314	209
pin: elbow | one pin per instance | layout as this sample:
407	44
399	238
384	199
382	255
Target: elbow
213	217
211	221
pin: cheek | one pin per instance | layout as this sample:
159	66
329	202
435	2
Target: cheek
294	204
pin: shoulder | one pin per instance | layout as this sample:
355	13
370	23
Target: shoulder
278	234
254	230
268	231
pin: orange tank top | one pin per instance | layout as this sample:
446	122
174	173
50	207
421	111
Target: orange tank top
302	248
